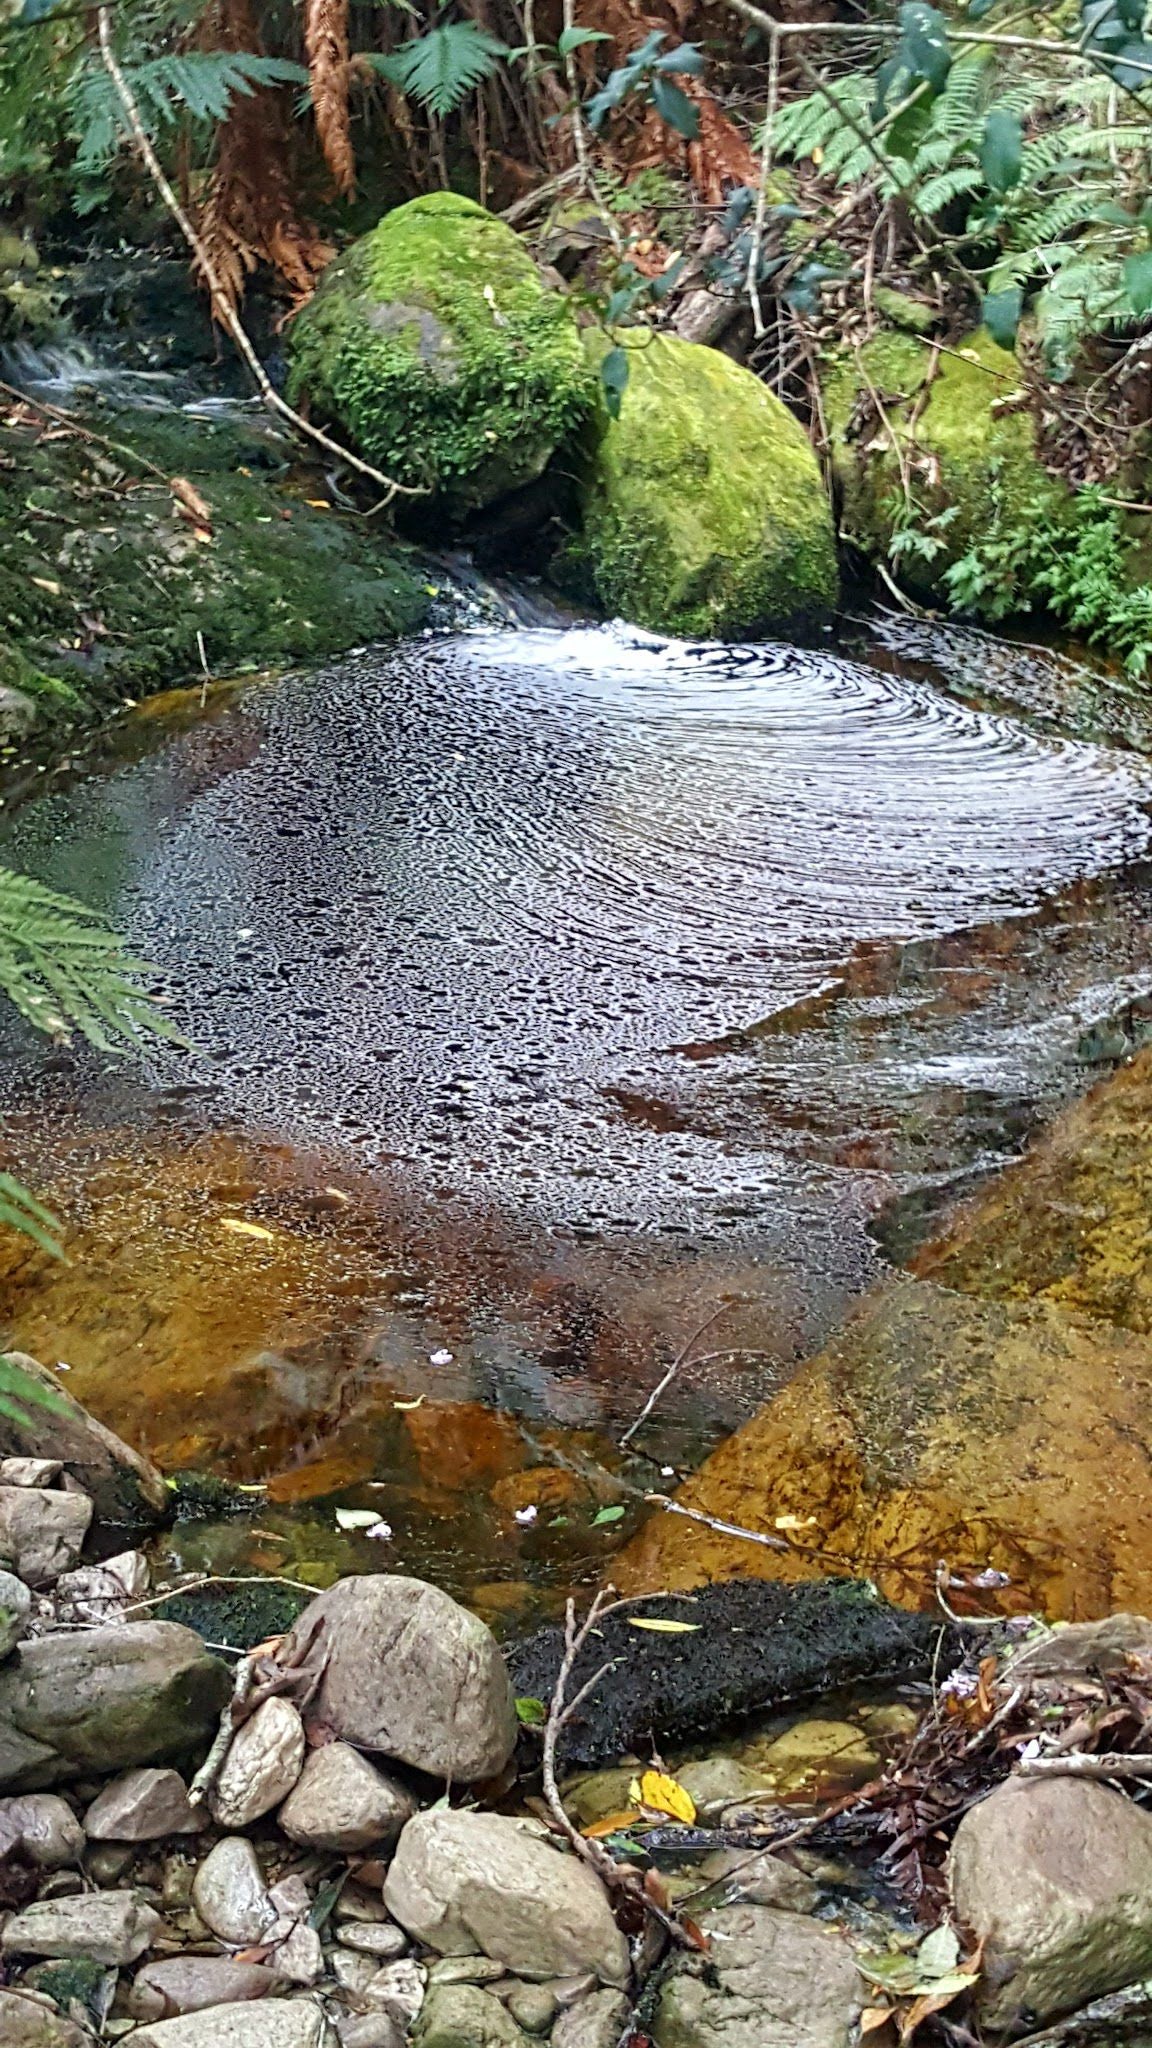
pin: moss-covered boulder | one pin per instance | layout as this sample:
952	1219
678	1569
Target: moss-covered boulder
704	513
435	344
964	451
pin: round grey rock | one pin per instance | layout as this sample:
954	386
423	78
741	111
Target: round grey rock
15	1607
781	1981
143	1806
269	2023
230	1895
102	1927
341	1802
412	1675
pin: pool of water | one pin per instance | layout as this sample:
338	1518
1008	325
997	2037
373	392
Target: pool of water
548	992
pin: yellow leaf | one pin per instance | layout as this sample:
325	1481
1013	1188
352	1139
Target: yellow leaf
317	504
817	156
659	1627
874	2016
612	1824
662	1794
406	1407
795	1522
243	1229
46	583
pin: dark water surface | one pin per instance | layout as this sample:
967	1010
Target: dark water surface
545	988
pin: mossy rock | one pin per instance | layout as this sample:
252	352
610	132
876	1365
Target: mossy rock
436	345
106	591
704	513
960	451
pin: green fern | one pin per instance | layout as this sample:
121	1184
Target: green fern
202	83
441	68
66	971
19	1210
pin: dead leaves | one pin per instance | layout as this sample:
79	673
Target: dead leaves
196	509
326	41
916	1984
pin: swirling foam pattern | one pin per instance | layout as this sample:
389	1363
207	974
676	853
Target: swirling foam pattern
434	901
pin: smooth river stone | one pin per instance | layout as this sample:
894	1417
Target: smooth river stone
143	1806
262	1765
182	1984
230	1895
41	1532
44	1829
268	2023
343	1803
28	2022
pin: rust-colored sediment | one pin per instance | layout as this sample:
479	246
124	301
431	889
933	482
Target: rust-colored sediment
994	1411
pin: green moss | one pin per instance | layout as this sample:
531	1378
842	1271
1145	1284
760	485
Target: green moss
106	591
436	345
704	513
957	446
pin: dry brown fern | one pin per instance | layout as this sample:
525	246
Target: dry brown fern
326	42
249	214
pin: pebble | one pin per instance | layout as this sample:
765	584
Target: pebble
466	1970
354	1972
262	1765
230	1894
43	1828
372	2030
380	1938
398	1988
533	2007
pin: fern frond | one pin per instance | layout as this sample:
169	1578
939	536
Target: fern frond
203	83
21	1392
66	970
19	1210
441	67
326	41
937	193
1059	217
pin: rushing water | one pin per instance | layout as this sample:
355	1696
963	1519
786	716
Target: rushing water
544	989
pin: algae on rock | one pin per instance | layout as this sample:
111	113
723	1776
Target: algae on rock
704	513
435	343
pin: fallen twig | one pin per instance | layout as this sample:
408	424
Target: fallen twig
681	1358
1079	1763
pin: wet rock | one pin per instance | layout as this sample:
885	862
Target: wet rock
412	1675
463	2016
143	1806
341	1802
466	1970
781	1982
44	1829
761	1880
269	2023
105	1927
27	2022
1076	1648
106	1698
262	1765
720	1781
1054	1875
471	1882
79	1987
15	1607
353	1972
382	1939
596	1794
42	1532
230	1894
125	1488
106	1862
298	1954
816	1753
30	1471
532	2006
181	1984
756	1645
596	2022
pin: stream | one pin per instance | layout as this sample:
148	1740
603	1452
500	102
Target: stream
548	991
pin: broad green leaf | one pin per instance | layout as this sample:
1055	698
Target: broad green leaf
531	1713
614	372
575	38
675	107
1002	312
1002	150
1138	281
613	1514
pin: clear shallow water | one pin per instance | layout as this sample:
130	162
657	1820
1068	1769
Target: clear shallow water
598	977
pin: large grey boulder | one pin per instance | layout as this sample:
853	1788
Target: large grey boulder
343	1803
270	2023
30	2022
105	1699
102	1927
478	1883
41	1532
782	1982
464	2016
125	1488
410	1674
1054	1876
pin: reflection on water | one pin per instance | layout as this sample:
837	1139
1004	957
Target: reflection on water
544	988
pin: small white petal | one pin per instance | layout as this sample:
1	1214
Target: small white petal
440	1358
380	1532
525	1516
